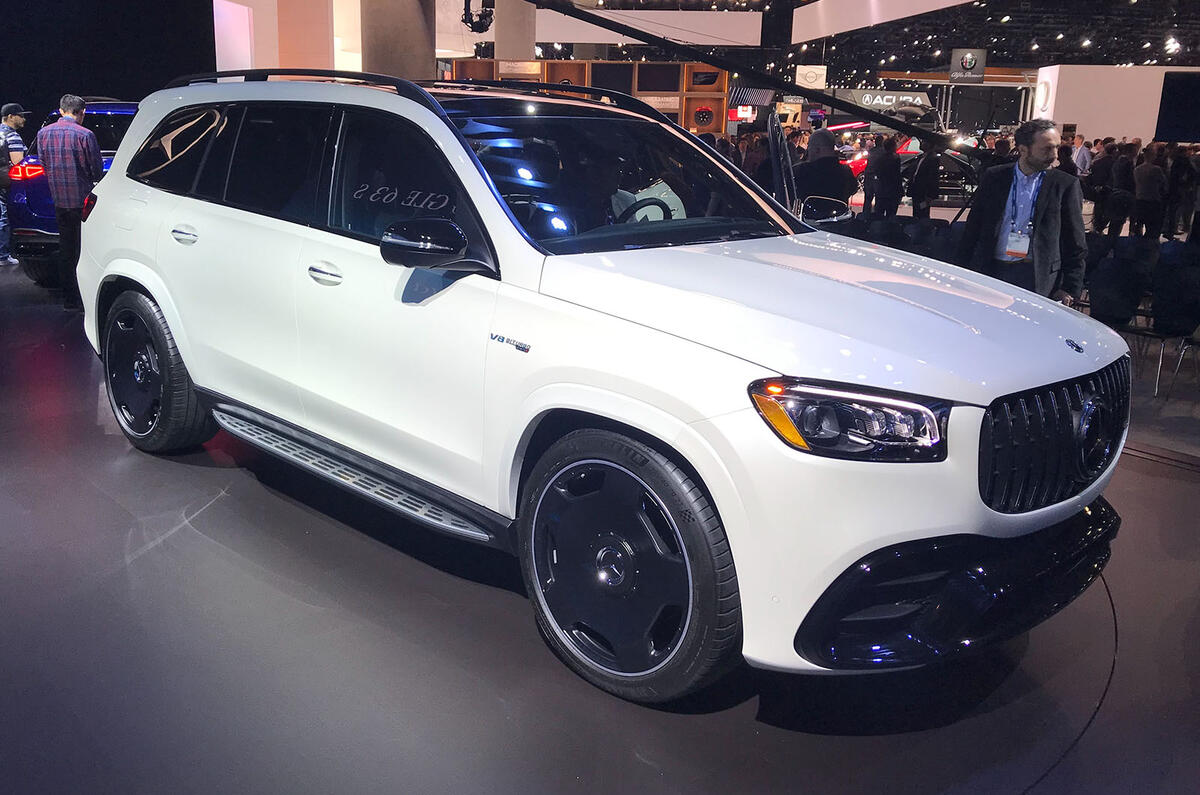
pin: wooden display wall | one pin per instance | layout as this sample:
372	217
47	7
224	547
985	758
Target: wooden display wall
693	94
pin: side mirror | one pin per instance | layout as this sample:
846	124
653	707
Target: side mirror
434	243
820	210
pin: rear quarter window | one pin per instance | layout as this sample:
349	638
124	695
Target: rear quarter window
171	156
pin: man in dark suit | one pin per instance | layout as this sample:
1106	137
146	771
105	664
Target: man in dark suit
1026	225
822	174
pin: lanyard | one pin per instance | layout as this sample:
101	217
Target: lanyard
1037	188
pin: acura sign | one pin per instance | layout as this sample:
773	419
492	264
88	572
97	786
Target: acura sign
882	100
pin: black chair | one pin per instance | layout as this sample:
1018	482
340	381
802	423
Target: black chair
1175	306
1191	343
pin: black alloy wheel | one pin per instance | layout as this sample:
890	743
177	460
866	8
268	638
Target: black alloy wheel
628	568
149	388
611	568
135	379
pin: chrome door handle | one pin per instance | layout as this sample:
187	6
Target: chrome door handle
325	274
185	235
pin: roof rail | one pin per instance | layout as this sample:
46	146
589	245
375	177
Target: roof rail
106	99
622	101
404	88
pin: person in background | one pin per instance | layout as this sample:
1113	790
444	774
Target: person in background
1181	191
1001	153
12	119
1150	192
1081	156
1065	163
757	153
923	188
889	187
795	152
1099	182
869	178
71	156
725	148
1119	206
822	174
1026	225
739	154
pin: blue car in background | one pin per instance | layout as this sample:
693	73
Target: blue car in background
30	209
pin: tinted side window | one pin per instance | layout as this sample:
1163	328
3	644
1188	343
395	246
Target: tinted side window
171	155
277	159
388	171
215	169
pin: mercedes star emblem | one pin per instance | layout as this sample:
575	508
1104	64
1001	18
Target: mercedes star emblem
1095	437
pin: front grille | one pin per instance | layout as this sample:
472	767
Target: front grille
1032	450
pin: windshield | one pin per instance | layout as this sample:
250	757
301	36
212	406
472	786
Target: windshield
607	183
109	128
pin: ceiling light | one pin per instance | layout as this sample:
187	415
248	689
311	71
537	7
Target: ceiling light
1035	46
1086	43
1059	37
1005	18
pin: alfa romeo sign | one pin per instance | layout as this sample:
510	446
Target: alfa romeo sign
967	66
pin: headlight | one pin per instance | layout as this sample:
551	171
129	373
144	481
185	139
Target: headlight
844	423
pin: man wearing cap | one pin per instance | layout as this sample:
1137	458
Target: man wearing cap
71	156
12	119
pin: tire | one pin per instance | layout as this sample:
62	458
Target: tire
149	389
43	272
628	568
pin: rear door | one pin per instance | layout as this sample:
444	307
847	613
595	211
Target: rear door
392	357
228	250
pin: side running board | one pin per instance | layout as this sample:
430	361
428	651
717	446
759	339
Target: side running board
378	489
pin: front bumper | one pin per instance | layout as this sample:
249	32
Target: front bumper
796	523
924	601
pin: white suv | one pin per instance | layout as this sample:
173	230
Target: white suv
547	319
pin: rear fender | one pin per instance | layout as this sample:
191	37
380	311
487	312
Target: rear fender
152	286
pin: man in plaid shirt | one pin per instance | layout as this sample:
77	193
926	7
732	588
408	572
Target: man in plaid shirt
71	156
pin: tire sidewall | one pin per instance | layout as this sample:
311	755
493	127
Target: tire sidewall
688	661
148	311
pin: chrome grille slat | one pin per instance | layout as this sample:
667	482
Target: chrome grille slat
1027	445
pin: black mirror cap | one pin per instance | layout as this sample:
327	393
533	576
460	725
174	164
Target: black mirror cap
434	243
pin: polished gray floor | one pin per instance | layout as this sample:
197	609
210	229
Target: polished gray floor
218	622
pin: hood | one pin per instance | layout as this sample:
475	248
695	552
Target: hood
828	307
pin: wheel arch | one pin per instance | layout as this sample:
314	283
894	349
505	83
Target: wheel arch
649	425
123	276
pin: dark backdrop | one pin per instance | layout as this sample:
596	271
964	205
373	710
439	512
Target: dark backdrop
117	48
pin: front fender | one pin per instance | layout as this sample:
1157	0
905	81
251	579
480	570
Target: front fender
684	438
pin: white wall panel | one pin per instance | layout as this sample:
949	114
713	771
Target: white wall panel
1103	100
691	27
830	17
